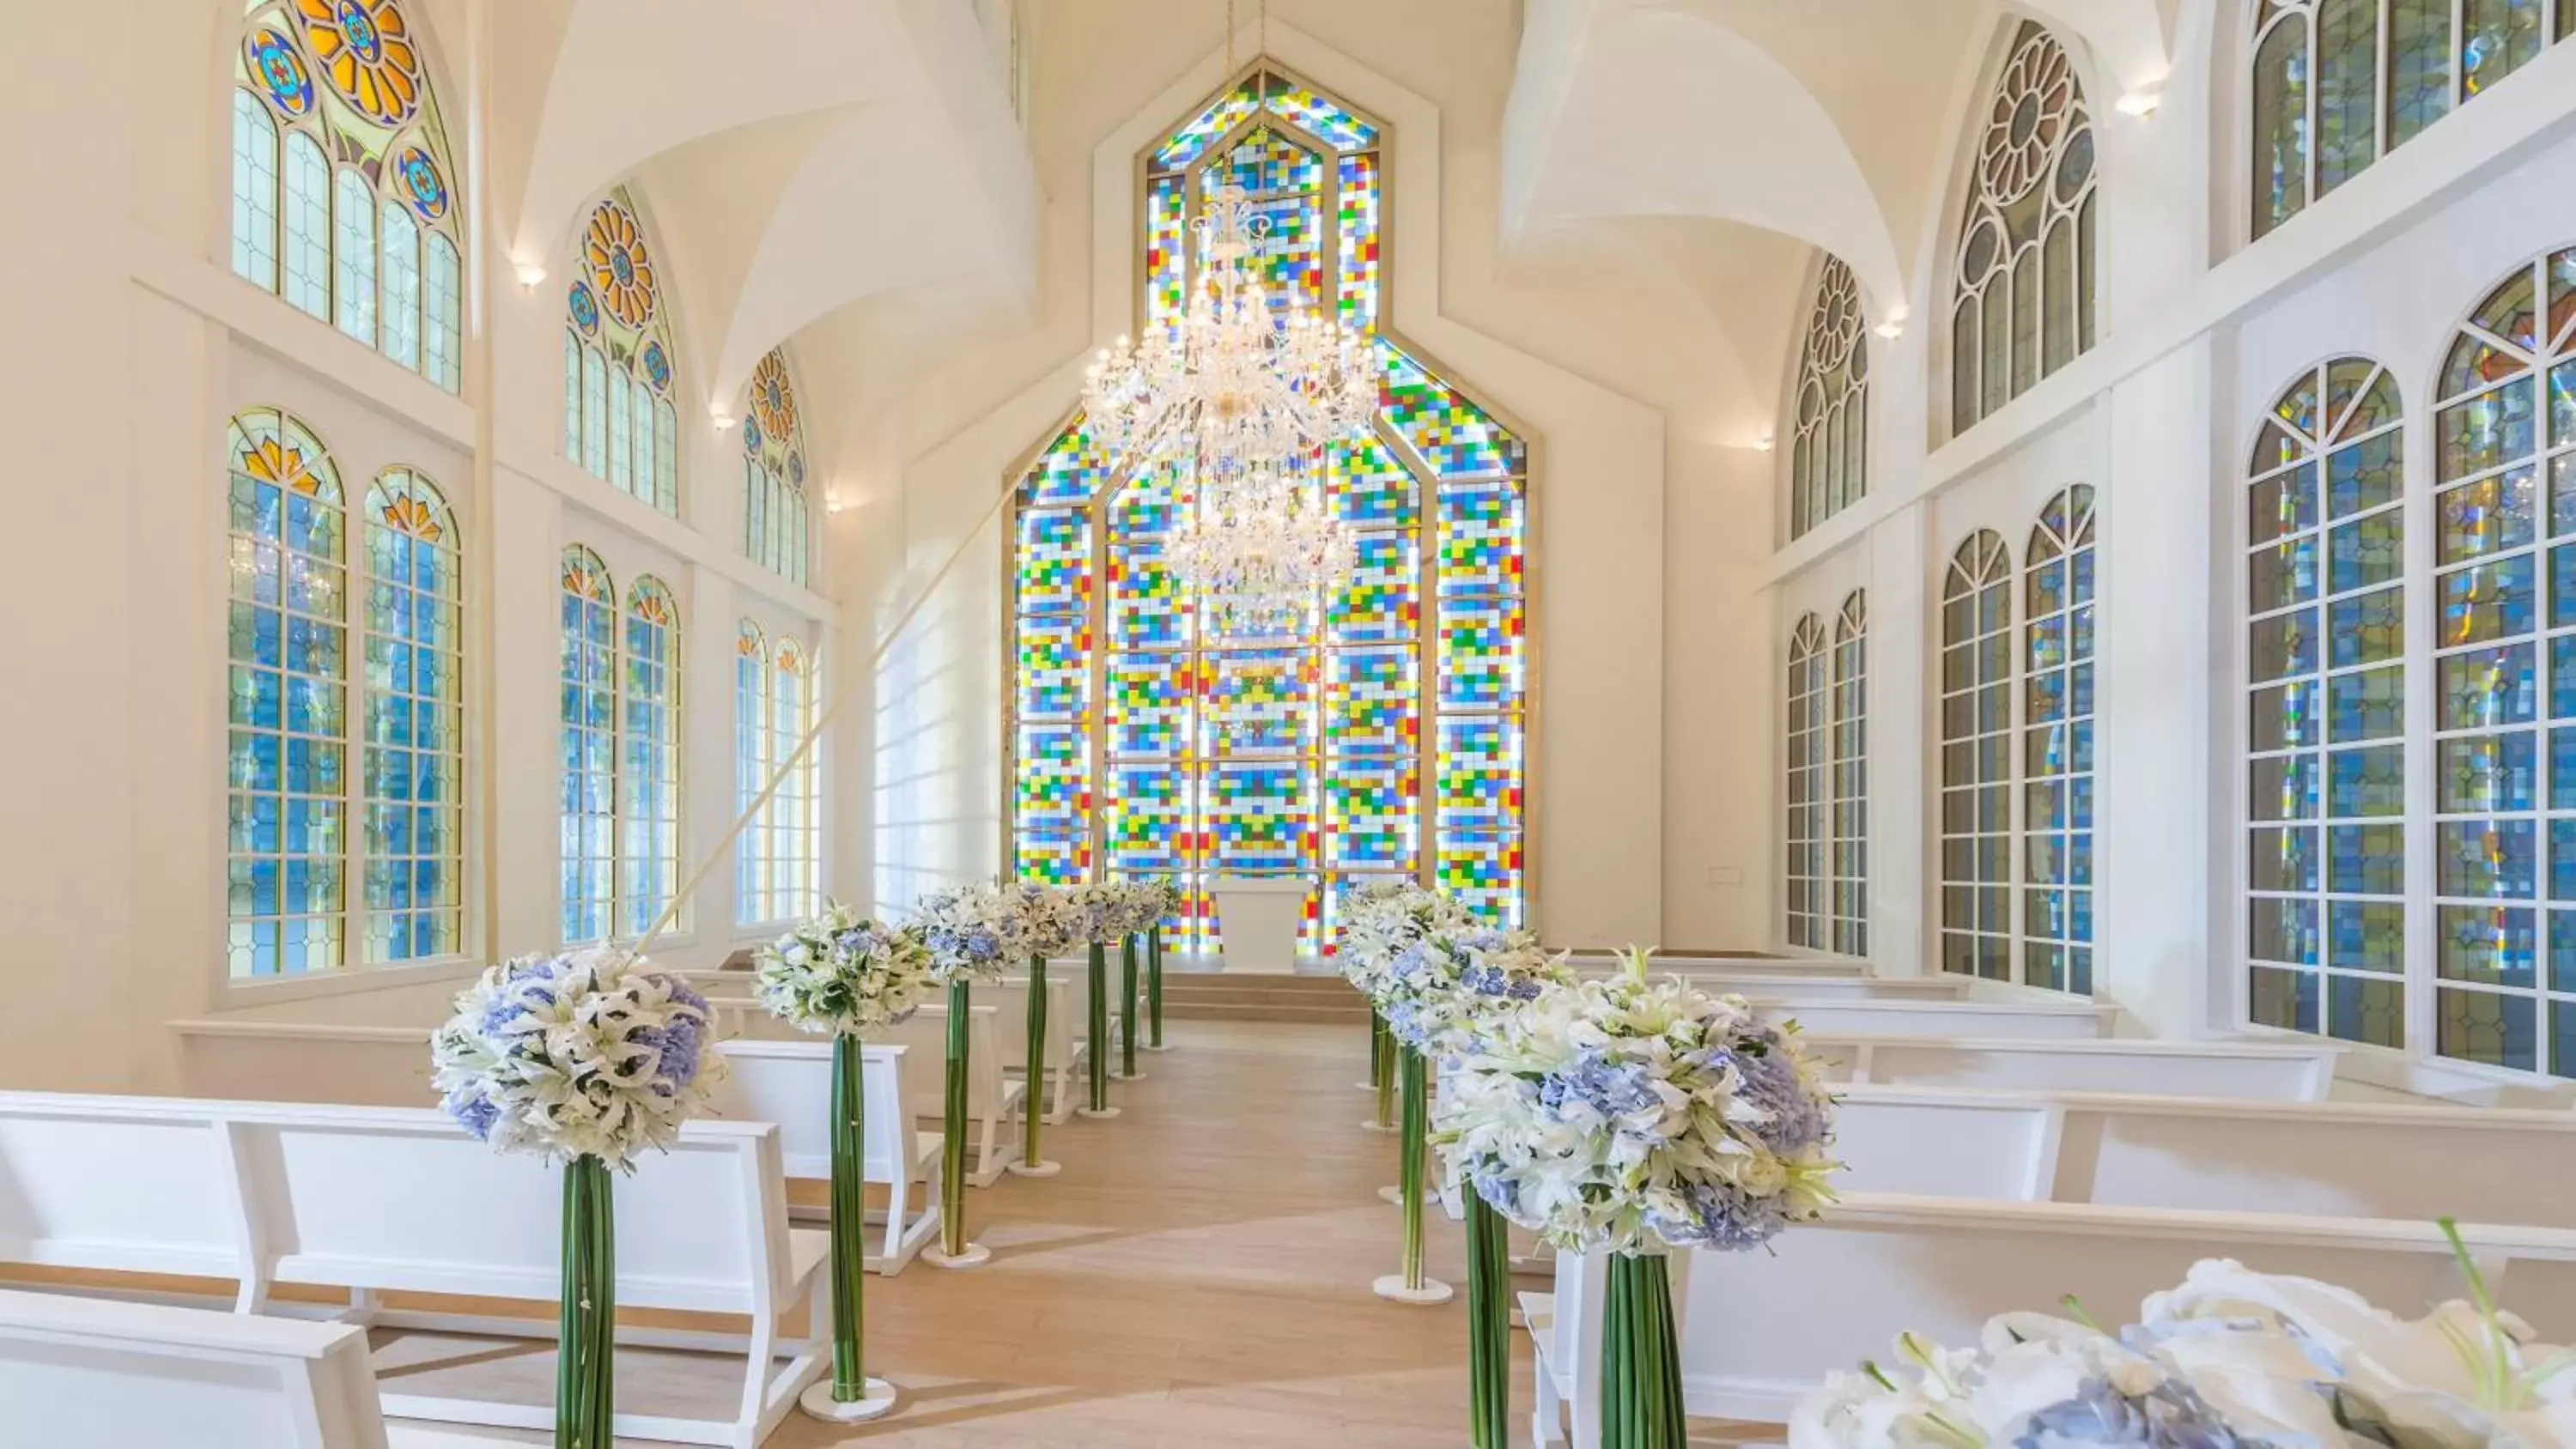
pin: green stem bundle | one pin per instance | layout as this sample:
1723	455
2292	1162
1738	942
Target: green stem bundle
1417	1125
1641	1373
585	1377
1383	1072
1099	1025
1033	1117
1154	983
952	1146
849	1221
1489	1326
1127	1007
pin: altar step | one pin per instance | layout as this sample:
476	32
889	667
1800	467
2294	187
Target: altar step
1204	996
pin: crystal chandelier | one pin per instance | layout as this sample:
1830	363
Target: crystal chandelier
1245	401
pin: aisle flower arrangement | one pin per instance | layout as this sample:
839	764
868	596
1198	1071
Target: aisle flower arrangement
1632	1117
844	974
1100	911
2231	1359
586	1059
1157	900
1385	951
973	933
1378	922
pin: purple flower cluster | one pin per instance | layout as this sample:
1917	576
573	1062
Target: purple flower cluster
1612	1091
680	1045
2170	1416
1770	1081
1721	1217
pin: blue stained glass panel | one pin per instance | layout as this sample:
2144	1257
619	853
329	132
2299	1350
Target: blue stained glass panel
2283	646
2366	936
2367	628
2366	552
2283	931
2494	859
2484	688
2490	944
2487	431
2482	774
2367	782
2365	860
2284	788
2283	859
2282	575
2285	715
2368	704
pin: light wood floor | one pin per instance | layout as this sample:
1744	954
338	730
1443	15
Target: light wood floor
1199	1275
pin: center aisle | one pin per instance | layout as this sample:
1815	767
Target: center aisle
1199	1275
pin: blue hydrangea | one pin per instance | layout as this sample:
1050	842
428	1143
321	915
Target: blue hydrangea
2171	1416
1770	1082
474	1112
1721	1217
1612	1091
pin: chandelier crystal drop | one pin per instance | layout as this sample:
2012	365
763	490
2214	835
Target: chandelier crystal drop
1243	400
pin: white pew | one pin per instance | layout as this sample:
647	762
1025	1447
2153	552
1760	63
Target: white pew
1703	964
376	1199
993	1100
1009	999
93	1373
790	1083
2297	1072
2052	1020
1785	987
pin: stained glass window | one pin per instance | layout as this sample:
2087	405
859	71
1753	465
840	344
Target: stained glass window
2325	105
619	422
779	861
1850	759
1829	451
1385	736
2504	621
1976	759
1808	785
2325	789
292	855
2057	746
341	173
2024	296
589	699
648	758
750	771
775	516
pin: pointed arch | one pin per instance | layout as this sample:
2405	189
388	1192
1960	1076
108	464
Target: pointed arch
1829	409
621	360
1808	788
345	196
2023	277
413	767
777	516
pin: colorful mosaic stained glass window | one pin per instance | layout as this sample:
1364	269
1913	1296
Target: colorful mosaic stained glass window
305	891
2023	295
344	196
1808	787
2327	100
778	870
776	518
1850	752
619	422
1829	447
1976	759
2057	746
1386	735
620	694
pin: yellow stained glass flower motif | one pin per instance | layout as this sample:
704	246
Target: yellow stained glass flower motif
621	269
365	50
773	402
652	606
271	461
411	515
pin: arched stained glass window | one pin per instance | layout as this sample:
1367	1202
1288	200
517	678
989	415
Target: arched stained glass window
1829	451
776	519
2024	293
302	885
2327	99
1382	739
1851	777
589	695
344	197
2326	664
2505	808
414	741
2057	747
750	770
648	764
1976	759
1808	786
794	825
620	361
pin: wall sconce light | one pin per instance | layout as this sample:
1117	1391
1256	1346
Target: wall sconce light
530	274
1892	326
2140	102
833	502
1763	444
722	419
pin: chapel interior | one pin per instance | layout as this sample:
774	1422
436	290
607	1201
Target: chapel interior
2032	538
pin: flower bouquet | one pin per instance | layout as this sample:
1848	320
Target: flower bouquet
1628	1117
973	932
1138	908
1379	921
584	1059
847	975
2231	1359
1157	900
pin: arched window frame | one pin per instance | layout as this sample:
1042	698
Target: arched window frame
2328	678
1807	785
2057	746
589	720
2025	272
1421	757
795	815
751	763
344	189
648	765
621	362
777	516
363	768
1850	751
1976	682
1829	409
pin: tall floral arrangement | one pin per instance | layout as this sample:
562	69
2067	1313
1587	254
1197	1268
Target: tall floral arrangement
585	1059
1156	899
1382	919
2230	1359
974	933
847	975
1444	991
1630	1116
969	931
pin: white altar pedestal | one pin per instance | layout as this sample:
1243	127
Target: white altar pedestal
1259	917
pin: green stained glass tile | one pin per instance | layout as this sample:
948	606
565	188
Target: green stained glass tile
2286	1000
2366	782
2366	628
2366	936
2487	1028
2359	1009
2285	715
2480	774
2366	860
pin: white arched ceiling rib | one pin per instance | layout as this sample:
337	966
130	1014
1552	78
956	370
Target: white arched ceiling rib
1651	112
931	185
635	78
2127	38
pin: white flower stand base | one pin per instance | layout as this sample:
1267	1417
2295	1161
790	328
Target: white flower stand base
1394	1195
975	1256
1036	1169
1096	1114
817	1402
1391	1287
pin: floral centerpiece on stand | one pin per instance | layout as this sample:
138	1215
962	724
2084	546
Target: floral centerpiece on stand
586	1059
1156	900
1100	913
974	933
1631	1117
844	974
2231	1359
1379	921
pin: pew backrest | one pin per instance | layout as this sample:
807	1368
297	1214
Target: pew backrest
96	1373
1782	987
294	1061
2253	1070
2013	1019
790	1083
